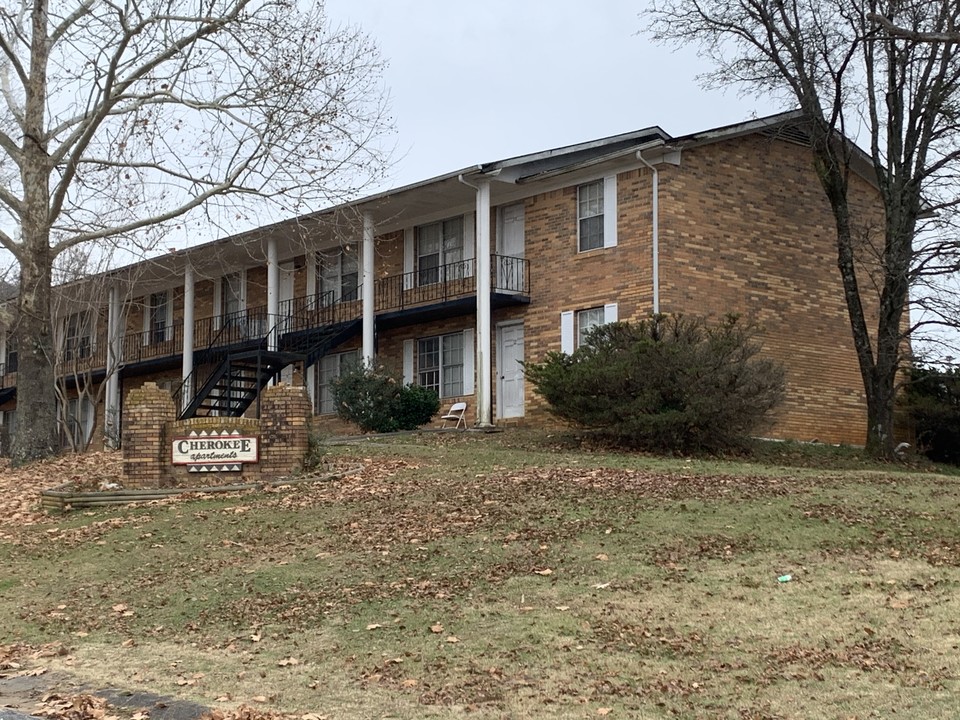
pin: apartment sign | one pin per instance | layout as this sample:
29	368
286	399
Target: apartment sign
215	450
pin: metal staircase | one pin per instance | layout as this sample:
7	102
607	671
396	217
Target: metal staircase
237	381
241	373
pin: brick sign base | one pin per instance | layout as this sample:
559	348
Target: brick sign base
150	428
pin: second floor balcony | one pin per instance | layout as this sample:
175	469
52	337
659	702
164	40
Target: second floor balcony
443	290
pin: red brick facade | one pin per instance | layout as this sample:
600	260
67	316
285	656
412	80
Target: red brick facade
744	228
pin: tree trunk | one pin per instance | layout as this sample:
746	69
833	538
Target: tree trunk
880	390
36	435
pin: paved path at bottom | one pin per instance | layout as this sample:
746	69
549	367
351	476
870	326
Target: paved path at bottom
18	695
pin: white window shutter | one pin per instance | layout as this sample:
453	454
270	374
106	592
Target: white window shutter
469	243
610	313
408	362
409	257
243	289
566	332
311	373
92	330
168	320
610	211
311	274
468	362
217	302
146	320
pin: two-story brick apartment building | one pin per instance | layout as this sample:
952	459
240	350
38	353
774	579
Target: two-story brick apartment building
459	278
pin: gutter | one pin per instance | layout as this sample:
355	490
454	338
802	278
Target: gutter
672	156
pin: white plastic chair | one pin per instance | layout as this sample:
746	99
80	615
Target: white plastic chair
456	412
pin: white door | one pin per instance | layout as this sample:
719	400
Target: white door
287	273
509	357
510	248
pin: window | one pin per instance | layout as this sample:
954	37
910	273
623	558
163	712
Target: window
338	276
159	320
78	427
229	305
590	215
574	326
231	298
329	369
10	362
78	336
440	362
440	244
586	321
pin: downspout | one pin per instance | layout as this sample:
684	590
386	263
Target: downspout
656	231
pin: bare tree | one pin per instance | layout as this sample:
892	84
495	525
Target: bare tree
849	76
949	35
126	115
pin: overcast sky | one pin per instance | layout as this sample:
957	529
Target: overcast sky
473	82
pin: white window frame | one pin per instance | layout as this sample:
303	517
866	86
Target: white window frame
328	369
220	289
605	209
570	325
587	320
150	335
74	347
589	208
78	421
451	248
447	383
9	348
330	275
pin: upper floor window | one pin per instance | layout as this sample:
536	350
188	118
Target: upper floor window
590	215
159	322
338	276
440	362
10	361
440	244
231	298
78	336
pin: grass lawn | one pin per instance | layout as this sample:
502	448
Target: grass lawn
515	575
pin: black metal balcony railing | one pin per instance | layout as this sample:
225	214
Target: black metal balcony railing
449	282
508	275
160	341
426	285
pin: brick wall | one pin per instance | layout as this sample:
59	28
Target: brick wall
150	426
149	409
745	228
285	414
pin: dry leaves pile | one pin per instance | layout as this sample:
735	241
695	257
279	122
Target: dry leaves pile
20	487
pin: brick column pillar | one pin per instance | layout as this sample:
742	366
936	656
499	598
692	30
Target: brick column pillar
284	430
147	411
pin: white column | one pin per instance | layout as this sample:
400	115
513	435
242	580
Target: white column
484	394
369	312
273	293
111	415
188	325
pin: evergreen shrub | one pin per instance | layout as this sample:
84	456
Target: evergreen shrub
377	400
668	383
